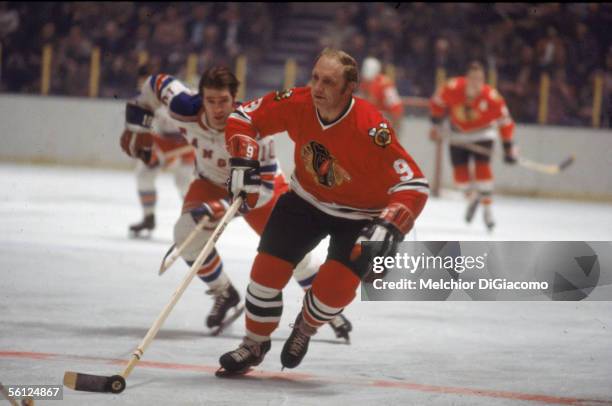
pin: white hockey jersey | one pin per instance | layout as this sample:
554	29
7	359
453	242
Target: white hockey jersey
186	108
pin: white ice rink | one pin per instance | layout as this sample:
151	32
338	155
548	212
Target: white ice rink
77	294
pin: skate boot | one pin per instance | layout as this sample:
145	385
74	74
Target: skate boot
250	353
225	299
147	224
471	209
342	327
488	217
296	346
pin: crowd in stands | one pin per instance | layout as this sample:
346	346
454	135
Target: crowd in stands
520	41
167	32
570	42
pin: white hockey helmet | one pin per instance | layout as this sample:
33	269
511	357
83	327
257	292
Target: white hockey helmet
370	68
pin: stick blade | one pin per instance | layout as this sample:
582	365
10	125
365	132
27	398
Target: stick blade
567	162
94	383
163	267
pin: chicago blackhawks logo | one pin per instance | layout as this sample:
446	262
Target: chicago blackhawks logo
323	166
283	94
466	113
381	135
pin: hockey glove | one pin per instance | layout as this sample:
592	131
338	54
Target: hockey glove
214	210
138	118
510	153
137	145
390	227
244	177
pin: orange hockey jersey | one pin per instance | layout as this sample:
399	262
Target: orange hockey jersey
353	167
488	109
382	93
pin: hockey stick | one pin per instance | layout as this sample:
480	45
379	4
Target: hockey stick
4	392
177	253
549	169
116	383
164	157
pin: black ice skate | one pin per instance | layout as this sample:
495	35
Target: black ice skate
471	209
488	218
238	362
225	299
296	346
342	327
147	224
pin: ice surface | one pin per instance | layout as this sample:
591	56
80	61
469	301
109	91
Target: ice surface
77	294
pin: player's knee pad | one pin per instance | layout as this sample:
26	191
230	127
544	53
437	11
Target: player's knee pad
335	284
145	177
484	178
483	171
305	271
182	229
461	174
270	271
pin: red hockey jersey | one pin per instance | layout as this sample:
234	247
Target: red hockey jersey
484	111
352	168
382	93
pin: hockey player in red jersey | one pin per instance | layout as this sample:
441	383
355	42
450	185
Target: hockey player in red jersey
477	111
379	89
201	118
352	182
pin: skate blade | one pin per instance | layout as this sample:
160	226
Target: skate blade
223	373
141	235
346	338
228	320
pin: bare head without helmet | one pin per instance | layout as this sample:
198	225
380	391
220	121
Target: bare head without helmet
335	77
218	87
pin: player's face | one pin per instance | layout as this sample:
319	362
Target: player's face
328	85
475	82
218	105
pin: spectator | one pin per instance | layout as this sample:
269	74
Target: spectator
339	32
550	50
197	24
416	37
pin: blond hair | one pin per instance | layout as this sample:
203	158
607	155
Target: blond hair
349	65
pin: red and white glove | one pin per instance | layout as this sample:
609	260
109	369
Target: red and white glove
137	145
213	210
244	177
395	221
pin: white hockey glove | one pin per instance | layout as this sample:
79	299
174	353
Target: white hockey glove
244	177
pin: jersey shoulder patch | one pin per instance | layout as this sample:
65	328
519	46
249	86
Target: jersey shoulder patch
371	121
381	134
283	94
293	95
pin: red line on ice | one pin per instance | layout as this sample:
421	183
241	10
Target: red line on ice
452	390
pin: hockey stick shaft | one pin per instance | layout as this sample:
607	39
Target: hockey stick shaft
12	401
479	149
138	353
544	168
175	153
549	169
170	259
